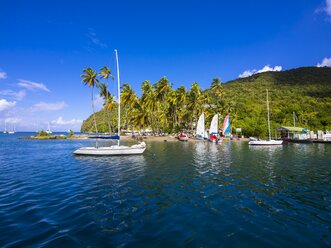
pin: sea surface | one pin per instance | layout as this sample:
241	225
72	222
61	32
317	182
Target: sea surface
176	194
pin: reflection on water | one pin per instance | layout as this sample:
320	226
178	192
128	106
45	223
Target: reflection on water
196	194
213	158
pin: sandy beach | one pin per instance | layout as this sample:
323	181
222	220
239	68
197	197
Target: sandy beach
170	139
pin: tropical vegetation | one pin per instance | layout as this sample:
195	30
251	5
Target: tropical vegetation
163	109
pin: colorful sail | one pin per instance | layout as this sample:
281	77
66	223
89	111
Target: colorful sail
226	126
200	134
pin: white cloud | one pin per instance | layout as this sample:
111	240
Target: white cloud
4	104
266	68
94	39
328	7
247	73
98	102
325	62
61	124
60	121
43	106
15	95
32	85
13	120
3	75
325	9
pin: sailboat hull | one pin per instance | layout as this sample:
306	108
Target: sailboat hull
111	150
265	142
200	137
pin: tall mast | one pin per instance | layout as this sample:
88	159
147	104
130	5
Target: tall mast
268	116
119	96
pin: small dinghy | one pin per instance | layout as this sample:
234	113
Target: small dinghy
183	137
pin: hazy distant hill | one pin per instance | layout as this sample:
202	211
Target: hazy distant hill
305	91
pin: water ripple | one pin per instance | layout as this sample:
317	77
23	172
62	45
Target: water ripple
176	194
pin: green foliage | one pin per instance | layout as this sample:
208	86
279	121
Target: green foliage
305	91
42	133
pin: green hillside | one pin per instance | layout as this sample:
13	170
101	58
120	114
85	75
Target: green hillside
305	91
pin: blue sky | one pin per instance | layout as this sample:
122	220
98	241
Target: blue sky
45	45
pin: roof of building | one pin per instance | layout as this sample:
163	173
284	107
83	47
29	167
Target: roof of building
293	129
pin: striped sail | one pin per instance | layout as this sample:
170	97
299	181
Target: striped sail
226	126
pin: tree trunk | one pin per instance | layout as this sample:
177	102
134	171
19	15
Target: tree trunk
152	123
107	102
95	122
108	116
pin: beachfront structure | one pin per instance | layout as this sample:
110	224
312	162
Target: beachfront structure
295	133
326	136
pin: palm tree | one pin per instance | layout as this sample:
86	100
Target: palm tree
105	74
181	103
172	111
108	101
103	92
162	88
140	117
148	102
128	98
90	79
217	93
194	102
216	87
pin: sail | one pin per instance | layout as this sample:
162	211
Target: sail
226	126
201	126
214	125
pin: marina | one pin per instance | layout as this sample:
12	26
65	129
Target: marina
216	132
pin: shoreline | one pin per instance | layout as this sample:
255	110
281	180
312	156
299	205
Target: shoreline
125	138
169	139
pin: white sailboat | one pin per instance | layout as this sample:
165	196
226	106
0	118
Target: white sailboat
269	141
49	129
200	132
115	149
12	131
5	131
213	130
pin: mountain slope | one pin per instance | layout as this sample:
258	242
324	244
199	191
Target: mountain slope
305	91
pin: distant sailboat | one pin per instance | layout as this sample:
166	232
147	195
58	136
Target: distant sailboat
115	149
5	131
254	141
213	130
201	133
12	131
49	129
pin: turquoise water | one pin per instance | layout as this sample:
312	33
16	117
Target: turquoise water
174	195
